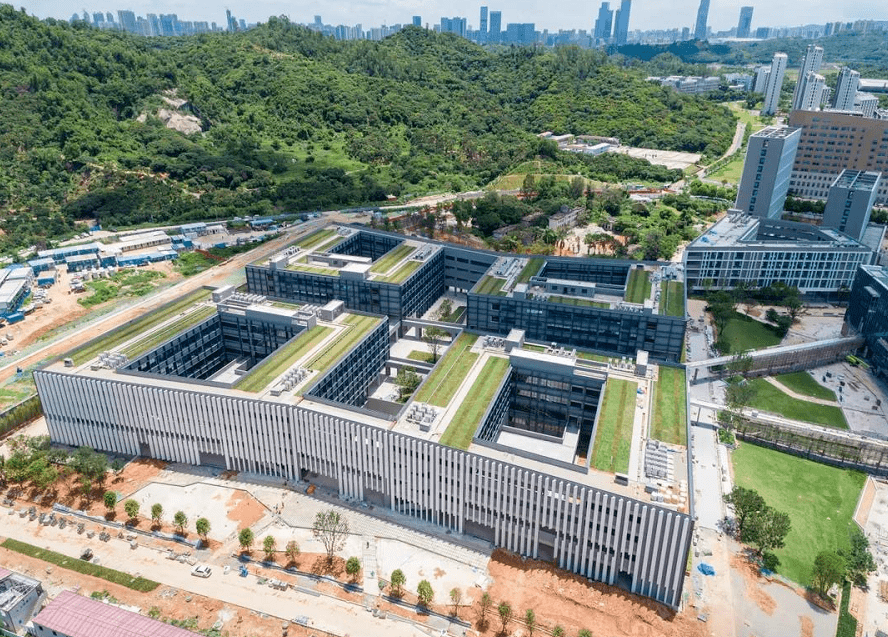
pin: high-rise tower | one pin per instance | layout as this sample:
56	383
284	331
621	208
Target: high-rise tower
605	22
810	64
496	26
621	23
702	19
482	29
744	26
774	83
846	89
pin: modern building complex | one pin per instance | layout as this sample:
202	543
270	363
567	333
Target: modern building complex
831	142
304	390
767	169
867	314
20	596
744	26
774	83
805	94
850	202
701	31
743	249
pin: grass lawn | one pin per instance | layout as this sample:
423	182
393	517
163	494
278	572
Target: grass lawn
819	500
304	267
454	316
531	269
82	566
732	171
768	398
639	287
165	333
417	355
389	259
316	237
281	360
743	333
449	373
804	383
672	299
670	407
579	302
360	326
614	436
130	330
401	274
465	421
490	285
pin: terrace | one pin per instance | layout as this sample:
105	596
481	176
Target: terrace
443	383
358	326
262	375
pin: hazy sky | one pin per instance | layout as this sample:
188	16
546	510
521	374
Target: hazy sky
552	14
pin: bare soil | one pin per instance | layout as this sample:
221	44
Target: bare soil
244	509
753	579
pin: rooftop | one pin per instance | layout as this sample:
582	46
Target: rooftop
776	132
740	229
867	181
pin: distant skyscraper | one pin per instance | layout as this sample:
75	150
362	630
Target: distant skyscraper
232	23
621	23
109	17
846	89
127	21
770	154
774	84
496	25
482	29
702	19
98	18
605	22
744	27
810	64
417	20
456	25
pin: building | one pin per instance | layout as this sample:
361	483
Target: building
604	23
867	314
833	141
457	26
774	84
417	21
12	293
496	22
744	26
811	63
621	23
20	596
812	93
761	79
866	104
850	201
72	615
482	29
770	154
743	249
701	31
521	33
564	218
846	90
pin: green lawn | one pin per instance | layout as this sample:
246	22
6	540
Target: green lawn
731	171
670	407
388	260
82	566
314	269
401	274
743	333
91	350
360	326
639	287
568	300
316	237
531	269
449	373
490	285
276	364
672	299
167	332
804	383
613	439
768	398
819	499
465	421
417	355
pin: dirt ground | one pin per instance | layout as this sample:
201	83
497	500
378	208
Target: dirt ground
752	578
244	509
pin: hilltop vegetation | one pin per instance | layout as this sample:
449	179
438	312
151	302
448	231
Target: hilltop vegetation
294	121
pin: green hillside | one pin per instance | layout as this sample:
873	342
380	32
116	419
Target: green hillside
291	120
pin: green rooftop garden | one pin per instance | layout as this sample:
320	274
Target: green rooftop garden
165	333
389	259
569	300
531	269
639	287
490	285
280	361
670	407
358	327
465	421
92	349
441	385
613	437
315	238
672	299
401	274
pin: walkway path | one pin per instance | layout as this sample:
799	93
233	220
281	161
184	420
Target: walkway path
786	390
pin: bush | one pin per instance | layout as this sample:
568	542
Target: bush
847	623
770	561
726	436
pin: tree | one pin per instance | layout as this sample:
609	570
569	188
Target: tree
455	599
202	526
434	337
746	502
445	310
793	303
156	512
40	472
89	463
180	520
331	529
398	580
268	545
828	569
505	614
292	552
484	607
245	539
859	561
738	393
766	529
132	509
425	593
530	621
353	567
86	486
407	381
110	500
577	187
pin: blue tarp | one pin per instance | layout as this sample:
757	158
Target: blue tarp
706	569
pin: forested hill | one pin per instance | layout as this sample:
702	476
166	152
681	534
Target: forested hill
292	120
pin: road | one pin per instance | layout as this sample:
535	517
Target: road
103	324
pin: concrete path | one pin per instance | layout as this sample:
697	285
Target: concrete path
789	392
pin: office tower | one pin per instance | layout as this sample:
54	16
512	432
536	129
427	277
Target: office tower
154	24
99	19
127	20
482	29
455	25
810	64
685	34
496	25
86	17
520	33
744	26
232	24
850	201
109	17
621	23
417	21
774	84
702	19
846	89
767	170
763	33
604	22
243	24
811	96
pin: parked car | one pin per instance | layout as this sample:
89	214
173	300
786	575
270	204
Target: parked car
201	570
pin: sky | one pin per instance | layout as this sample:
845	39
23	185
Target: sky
552	15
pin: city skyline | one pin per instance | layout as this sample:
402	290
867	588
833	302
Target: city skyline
646	14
